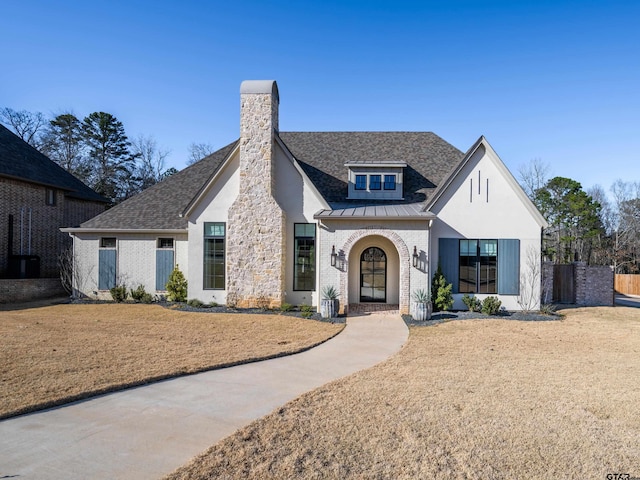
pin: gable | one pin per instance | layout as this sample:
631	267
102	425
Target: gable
482	196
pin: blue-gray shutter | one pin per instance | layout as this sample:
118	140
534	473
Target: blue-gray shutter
508	266
448	258
164	267
106	269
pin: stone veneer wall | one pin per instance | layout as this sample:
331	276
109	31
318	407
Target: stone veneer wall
256	223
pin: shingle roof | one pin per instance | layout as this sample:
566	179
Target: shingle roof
20	160
159	207
322	156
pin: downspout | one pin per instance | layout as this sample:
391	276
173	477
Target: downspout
29	237
21	230
10	239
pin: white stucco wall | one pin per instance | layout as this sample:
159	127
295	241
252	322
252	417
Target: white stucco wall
295	196
213	207
482	203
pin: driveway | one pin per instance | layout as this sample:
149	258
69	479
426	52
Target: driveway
147	432
627	301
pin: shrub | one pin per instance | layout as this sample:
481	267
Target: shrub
548	308
286	307
177	286
147	298
443	299
329	292
491	305
138	293
214	304
422	296
472	303
195	303
119	293
306	310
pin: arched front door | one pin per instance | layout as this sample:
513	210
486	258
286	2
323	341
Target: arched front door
373	275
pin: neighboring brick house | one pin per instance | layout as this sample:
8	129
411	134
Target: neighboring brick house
275	217
37	198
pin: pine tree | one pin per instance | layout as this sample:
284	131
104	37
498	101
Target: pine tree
441	292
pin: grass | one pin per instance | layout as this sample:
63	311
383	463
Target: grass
55	354
483	399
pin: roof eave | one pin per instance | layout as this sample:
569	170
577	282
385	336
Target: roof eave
75	230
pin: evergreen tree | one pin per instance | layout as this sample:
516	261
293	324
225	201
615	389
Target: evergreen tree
111	160
574	220
441	292
63	142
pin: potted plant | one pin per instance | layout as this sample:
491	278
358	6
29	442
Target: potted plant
421	306
329	302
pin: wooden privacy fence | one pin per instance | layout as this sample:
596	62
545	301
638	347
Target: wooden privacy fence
627	284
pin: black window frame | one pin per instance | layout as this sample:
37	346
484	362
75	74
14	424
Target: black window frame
309	242
377	184
360	183
477	270
216	241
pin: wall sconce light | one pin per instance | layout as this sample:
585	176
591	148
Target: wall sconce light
334	256
415	257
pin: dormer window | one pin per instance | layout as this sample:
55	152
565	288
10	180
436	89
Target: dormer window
389	182
370	180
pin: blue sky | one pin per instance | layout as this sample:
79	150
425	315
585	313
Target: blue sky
553	80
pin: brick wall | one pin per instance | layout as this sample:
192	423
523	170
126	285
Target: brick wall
594	284
36	225
28	289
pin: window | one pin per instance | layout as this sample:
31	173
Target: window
108	242
481	266
375	182
389	182
304	273
50	198
478	266
165	243
164	262
107	263
214	256
361	182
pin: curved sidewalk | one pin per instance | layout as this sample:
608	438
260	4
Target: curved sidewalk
147	432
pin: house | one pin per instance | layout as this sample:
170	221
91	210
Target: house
275	217
37	197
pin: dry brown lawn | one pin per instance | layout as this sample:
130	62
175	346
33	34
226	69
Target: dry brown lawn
54	354
472	399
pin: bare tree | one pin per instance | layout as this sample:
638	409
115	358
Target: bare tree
151	160
72	274
27	125
533	176
529	297
197	151
626	226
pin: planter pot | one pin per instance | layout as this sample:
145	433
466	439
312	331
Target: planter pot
328	308
421	311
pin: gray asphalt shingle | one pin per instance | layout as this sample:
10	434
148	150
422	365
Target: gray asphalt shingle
322	156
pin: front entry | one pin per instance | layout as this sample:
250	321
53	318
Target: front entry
373	275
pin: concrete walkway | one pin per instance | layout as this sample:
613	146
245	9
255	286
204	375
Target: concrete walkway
147	432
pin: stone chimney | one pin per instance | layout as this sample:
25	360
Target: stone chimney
256	233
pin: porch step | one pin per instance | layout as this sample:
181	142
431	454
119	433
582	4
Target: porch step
360	308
